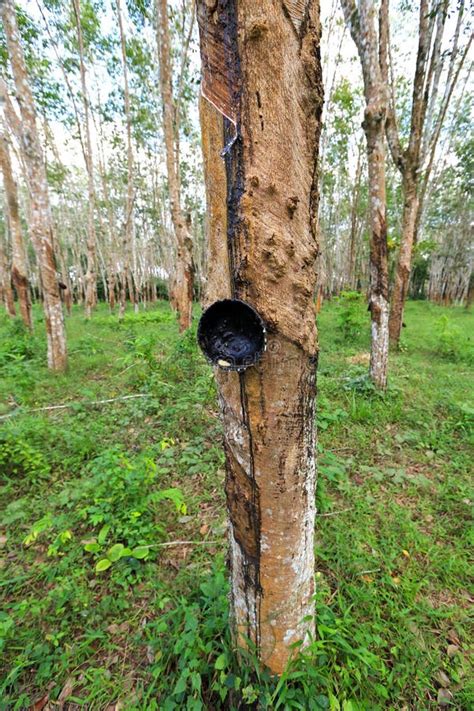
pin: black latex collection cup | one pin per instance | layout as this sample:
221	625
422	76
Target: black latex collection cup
231	334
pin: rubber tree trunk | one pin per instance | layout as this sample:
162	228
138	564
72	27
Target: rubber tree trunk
6	291
91	243
41	222
416	160
350	277
379	298
261	109
182	286
403	270
66	281
361	21
19	265
129	227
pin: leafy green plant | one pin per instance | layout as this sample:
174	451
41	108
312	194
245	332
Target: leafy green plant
116	553
360	383
450	341
140	348
121	493
17	344
6	628
351	318
327	414
196	666
20	459
89	345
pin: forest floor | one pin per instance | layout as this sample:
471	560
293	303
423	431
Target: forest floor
112	523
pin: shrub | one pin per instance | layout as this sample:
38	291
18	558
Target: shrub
17	345
450	343
20	459
350	320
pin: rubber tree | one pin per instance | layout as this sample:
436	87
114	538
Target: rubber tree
91	243
261	117
19	262
6	291
183	282
427	116
41	228
361	19
128	232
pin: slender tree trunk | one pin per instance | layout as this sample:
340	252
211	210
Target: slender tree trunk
112	235
19	267
424	131
67	292
41	226
182	287
354	222
403	270
128	246
91	274
6	291
262	84
408	161
379	298
361	21
111	289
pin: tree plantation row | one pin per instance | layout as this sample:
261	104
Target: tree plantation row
102	163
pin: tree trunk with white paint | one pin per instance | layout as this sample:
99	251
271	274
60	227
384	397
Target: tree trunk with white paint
41	223
361	21
19	266
183	282
261	119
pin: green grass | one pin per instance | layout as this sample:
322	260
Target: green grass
96	608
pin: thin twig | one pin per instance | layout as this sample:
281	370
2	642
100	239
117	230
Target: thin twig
168	544
73	404
334	513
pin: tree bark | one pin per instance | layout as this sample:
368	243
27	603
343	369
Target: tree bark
261	109
128	237
183	282
41	224
6	291
403	269
408	161
424	132
19	266
362	26
66	280
350	278
91	274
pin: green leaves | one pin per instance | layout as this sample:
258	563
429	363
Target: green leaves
141	552
116	553
103	533
102	565
174	495
92	547
221	662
